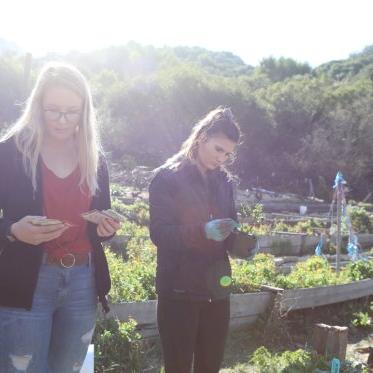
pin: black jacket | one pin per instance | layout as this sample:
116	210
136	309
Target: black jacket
189	266
19	261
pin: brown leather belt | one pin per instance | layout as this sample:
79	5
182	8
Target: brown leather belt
68	260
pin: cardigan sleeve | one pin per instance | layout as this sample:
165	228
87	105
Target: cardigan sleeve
228	242
5	169
102	200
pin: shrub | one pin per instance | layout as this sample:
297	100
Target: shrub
309	226
362	320
138	245
359	270
287	362
315	271
249	275
254	212
360	219
132	281
137	213
117	347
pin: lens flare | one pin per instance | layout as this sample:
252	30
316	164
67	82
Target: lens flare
225	281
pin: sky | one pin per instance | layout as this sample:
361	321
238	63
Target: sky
316	31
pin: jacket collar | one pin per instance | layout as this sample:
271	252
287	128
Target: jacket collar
191	169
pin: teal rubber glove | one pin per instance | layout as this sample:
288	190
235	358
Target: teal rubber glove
220	229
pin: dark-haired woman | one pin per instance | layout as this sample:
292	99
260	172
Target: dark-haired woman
192	215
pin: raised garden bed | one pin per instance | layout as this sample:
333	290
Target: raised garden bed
245	310
297	299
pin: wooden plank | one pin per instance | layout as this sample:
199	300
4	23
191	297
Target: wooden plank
365	240
249	304
143	312
245	309
239	322
296	299
285	244
272	289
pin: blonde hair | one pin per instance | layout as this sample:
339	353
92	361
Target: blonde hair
28	130
217	121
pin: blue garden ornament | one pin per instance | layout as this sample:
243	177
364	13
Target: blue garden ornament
353	244
319	247
335	366
339	180
352	247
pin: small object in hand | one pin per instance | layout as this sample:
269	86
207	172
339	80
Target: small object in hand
243	246
114	215
46	221
95	216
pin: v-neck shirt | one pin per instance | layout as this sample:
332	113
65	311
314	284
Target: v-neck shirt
65	200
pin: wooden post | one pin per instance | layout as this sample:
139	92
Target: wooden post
330	340
319	337
336	343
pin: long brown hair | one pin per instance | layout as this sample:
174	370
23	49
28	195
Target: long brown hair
217	121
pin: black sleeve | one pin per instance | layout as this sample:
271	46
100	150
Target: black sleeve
228	243
166	231
5	155
103	199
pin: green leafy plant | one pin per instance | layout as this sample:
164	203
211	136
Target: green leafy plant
117	347
137	213
254	212
249	275
315	271
309	226
359	270
132	281
362	320
360	219
287	361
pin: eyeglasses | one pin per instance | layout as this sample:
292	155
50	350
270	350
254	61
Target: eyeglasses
69	116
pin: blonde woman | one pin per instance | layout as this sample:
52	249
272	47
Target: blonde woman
51	276
192	215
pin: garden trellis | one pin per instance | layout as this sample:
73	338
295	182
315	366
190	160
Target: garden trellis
342	216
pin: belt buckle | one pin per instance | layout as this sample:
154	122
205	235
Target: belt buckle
67	265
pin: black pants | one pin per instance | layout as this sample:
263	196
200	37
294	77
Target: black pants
190	329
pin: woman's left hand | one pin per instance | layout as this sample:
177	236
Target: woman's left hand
107	227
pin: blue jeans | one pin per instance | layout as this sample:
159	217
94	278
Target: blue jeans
53	337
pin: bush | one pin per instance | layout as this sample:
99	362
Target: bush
137	213
254	212
359	270
315	271
249	275
360	219
309	226
117	347
132	281
287	362
363	320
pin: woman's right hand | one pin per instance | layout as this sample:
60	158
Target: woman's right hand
220	229
23	230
